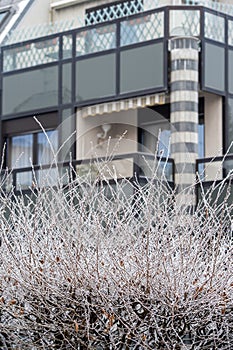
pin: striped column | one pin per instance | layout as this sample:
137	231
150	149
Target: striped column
184	115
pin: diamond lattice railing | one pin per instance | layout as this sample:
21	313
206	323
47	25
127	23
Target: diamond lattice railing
132	30
230	32
214	27
96	40
142	29
110	12
30	55
107	14
191	20
67	44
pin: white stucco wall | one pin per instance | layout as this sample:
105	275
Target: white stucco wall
88	144
38	13
213	125
213	135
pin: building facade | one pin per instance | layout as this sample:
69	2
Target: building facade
158	75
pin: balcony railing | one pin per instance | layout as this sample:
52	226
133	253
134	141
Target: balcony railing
45	29
215	169
133	166
215	179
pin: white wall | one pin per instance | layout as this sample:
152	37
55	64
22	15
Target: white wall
213	125
78	10
88	144
213	135
38	13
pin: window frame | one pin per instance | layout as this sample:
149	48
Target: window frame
35	146
25	126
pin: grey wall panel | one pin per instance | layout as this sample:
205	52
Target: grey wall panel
96	77
142	68
66	83
230	71
30	90
214	67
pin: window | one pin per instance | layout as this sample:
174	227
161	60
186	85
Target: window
24	150
113	11
3	16
201	129
154	138
26	144
155	131
33	148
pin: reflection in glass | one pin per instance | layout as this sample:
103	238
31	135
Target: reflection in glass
96	40
214	67
142	68
184	23
201	146
228	126
47	155
21	152
40	89
154	139
47	149
67	44
66	83
101	73
32	54
214	27
3	15
142	29
39	149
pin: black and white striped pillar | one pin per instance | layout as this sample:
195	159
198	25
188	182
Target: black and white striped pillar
184	114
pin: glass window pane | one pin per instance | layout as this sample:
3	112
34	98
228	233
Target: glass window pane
228	125
96	77
47	155
32	54
214	67
230	71
47	150
214	27
66	83
155	132
142	29
3	15
185	23
142	68
67	45
21	152
96	40
230	32
40	89
67	128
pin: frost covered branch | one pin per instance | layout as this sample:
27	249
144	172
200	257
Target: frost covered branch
91	265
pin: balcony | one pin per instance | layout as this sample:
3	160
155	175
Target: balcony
134	167
121	53
145	5
137	168
216	179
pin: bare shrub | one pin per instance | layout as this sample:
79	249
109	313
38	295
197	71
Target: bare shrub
94	265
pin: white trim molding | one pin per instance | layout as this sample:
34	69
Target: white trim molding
65	3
